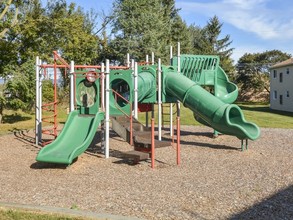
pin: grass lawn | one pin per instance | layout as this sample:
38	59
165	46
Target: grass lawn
17	214
18	120
265	117
260	114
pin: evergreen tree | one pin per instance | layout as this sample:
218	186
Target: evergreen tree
206	41
142	27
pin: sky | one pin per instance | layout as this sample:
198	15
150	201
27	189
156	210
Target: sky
253	25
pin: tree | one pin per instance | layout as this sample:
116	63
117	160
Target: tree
21	88
253	69
2	106
60	27
9	15
41	30
206	41
139	28
142	27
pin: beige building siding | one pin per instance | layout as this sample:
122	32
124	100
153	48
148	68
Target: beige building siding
281	88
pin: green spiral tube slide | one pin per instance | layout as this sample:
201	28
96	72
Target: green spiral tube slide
210	110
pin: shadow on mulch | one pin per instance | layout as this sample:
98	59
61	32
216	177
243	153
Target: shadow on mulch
278	206
204	144
201	134
41	165
208	145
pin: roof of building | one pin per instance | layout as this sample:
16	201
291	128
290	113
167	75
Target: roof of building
284	63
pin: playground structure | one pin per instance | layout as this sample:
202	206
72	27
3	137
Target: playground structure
98	92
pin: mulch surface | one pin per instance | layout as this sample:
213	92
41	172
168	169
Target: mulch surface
215	179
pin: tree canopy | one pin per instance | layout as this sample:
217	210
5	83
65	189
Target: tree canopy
207	41
142	27
253	69
39	30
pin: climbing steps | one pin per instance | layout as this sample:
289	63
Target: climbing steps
141	138
166	117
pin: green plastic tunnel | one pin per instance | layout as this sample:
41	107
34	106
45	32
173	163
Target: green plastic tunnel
146	85
226	118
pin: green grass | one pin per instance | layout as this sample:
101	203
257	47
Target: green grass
265	117
19	120
258	113
17	214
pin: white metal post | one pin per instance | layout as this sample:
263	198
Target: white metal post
178	56
107	114
135	91
127	60
37	101
132	65
159	100
103	86
153	58
71	107
171	55
40	101
171	105
147	59
179	71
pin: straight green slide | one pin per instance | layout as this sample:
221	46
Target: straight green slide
74	139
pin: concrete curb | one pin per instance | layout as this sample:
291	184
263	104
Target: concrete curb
65	211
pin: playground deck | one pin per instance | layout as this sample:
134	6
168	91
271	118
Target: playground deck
214	181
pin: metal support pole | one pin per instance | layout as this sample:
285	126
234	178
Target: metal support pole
242	144
55	97
37	137
103	87
147	59
178	134
71	107
171	119
107	114
40	102
178	55
135	91
159	100
246	144
153	139
179	71
132	65
128	60
171	105
153	58
147	119
171	55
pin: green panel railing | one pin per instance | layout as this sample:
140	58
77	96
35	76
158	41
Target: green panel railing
198	68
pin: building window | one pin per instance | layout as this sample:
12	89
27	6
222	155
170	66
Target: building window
288	95
281	77
281	99
275	94
275	73
288	71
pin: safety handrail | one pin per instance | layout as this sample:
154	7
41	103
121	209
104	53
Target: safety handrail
120	109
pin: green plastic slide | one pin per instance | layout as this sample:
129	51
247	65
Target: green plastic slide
74	139
225	90
210	110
